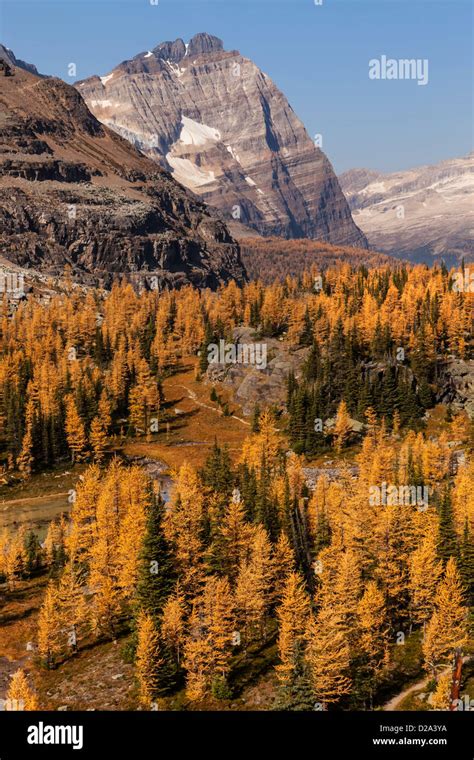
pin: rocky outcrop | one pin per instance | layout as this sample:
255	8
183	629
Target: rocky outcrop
252	385
8	56
423	214
456	385
225	131
42	170
73	192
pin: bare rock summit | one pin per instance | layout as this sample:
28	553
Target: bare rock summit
224	130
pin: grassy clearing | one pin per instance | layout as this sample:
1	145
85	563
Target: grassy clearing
37	501
96	678
56	480
18	625
18	616
190	422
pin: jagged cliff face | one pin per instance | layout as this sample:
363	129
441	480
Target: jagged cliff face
225	131
8	55
423	214
74	192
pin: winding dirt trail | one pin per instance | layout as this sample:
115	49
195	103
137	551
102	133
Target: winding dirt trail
393	703
32	499
193	396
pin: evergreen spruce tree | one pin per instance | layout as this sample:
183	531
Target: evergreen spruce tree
33	552
208	338
322	534
447	539
255	425
156	573
312	365
218	474
306	337
247	485
467	562
266	511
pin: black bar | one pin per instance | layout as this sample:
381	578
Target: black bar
310	735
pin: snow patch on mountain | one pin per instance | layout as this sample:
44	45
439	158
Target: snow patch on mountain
194	133
187	173
105	103
175	68
232	152
142	140
105	79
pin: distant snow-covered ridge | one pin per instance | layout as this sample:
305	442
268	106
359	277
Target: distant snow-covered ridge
422	214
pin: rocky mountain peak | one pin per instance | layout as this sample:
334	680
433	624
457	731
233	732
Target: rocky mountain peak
171	51
201	44
204	43
222	128
9	57
424	214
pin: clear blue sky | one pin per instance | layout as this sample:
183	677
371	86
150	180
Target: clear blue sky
318	56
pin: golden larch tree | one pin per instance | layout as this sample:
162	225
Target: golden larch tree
283	564
441	699
183	525
25	460
83	514
292	615
447	628
173	624
254	586
425	573
372	642
50	637
328	657
75	431
148	659
98	439
20	695
342	427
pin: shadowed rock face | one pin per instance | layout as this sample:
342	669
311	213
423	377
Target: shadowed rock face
7	55
252	386
457	384
74	192
225	131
